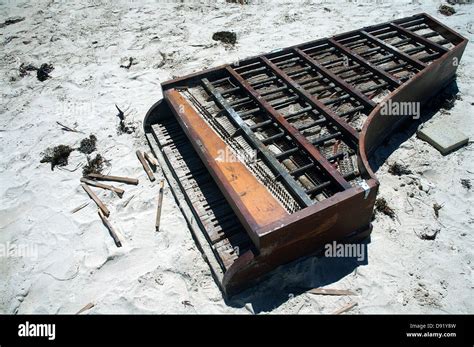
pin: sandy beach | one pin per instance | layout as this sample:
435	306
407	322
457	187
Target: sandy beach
66	260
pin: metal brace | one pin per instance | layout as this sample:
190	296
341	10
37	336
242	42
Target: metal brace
365	186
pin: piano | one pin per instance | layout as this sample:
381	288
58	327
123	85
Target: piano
268	157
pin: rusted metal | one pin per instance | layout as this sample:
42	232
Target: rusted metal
271	154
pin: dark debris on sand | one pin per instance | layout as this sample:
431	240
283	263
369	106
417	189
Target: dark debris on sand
12	20
88	145
446	10
26	68
399	169
241	2
466	183
57	156
425	235
95	165
382	207
225	37
129	64
124	128
436	208
42	73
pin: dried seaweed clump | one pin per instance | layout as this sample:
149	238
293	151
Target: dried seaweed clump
225	37
95	165
466	183
24	69
42	73
399	169
88	145
57	156
382	206
126	128
446	10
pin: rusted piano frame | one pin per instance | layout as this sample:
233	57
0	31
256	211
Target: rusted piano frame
277	236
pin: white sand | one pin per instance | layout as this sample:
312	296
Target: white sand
77	261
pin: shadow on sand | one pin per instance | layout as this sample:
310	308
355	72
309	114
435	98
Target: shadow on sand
295	278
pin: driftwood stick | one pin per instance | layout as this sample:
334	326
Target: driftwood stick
116	190
78	208
329	291
160	203
86	308
111	229
66	128
346	308
96	199
145	166
151	159
100	177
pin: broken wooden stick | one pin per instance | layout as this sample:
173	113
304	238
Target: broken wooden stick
86	308
329	291
145	166
116	190
78	208
96	199
100	177
66	128
151	159
346	308
160	203
111	229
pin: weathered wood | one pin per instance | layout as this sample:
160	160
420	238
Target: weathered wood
116	190
86	308
253	203
160	203
66	128
96	199
80	207
345	308
110	228
100	177
330	291
151	159
145	165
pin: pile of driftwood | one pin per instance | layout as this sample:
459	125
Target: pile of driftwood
149	164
